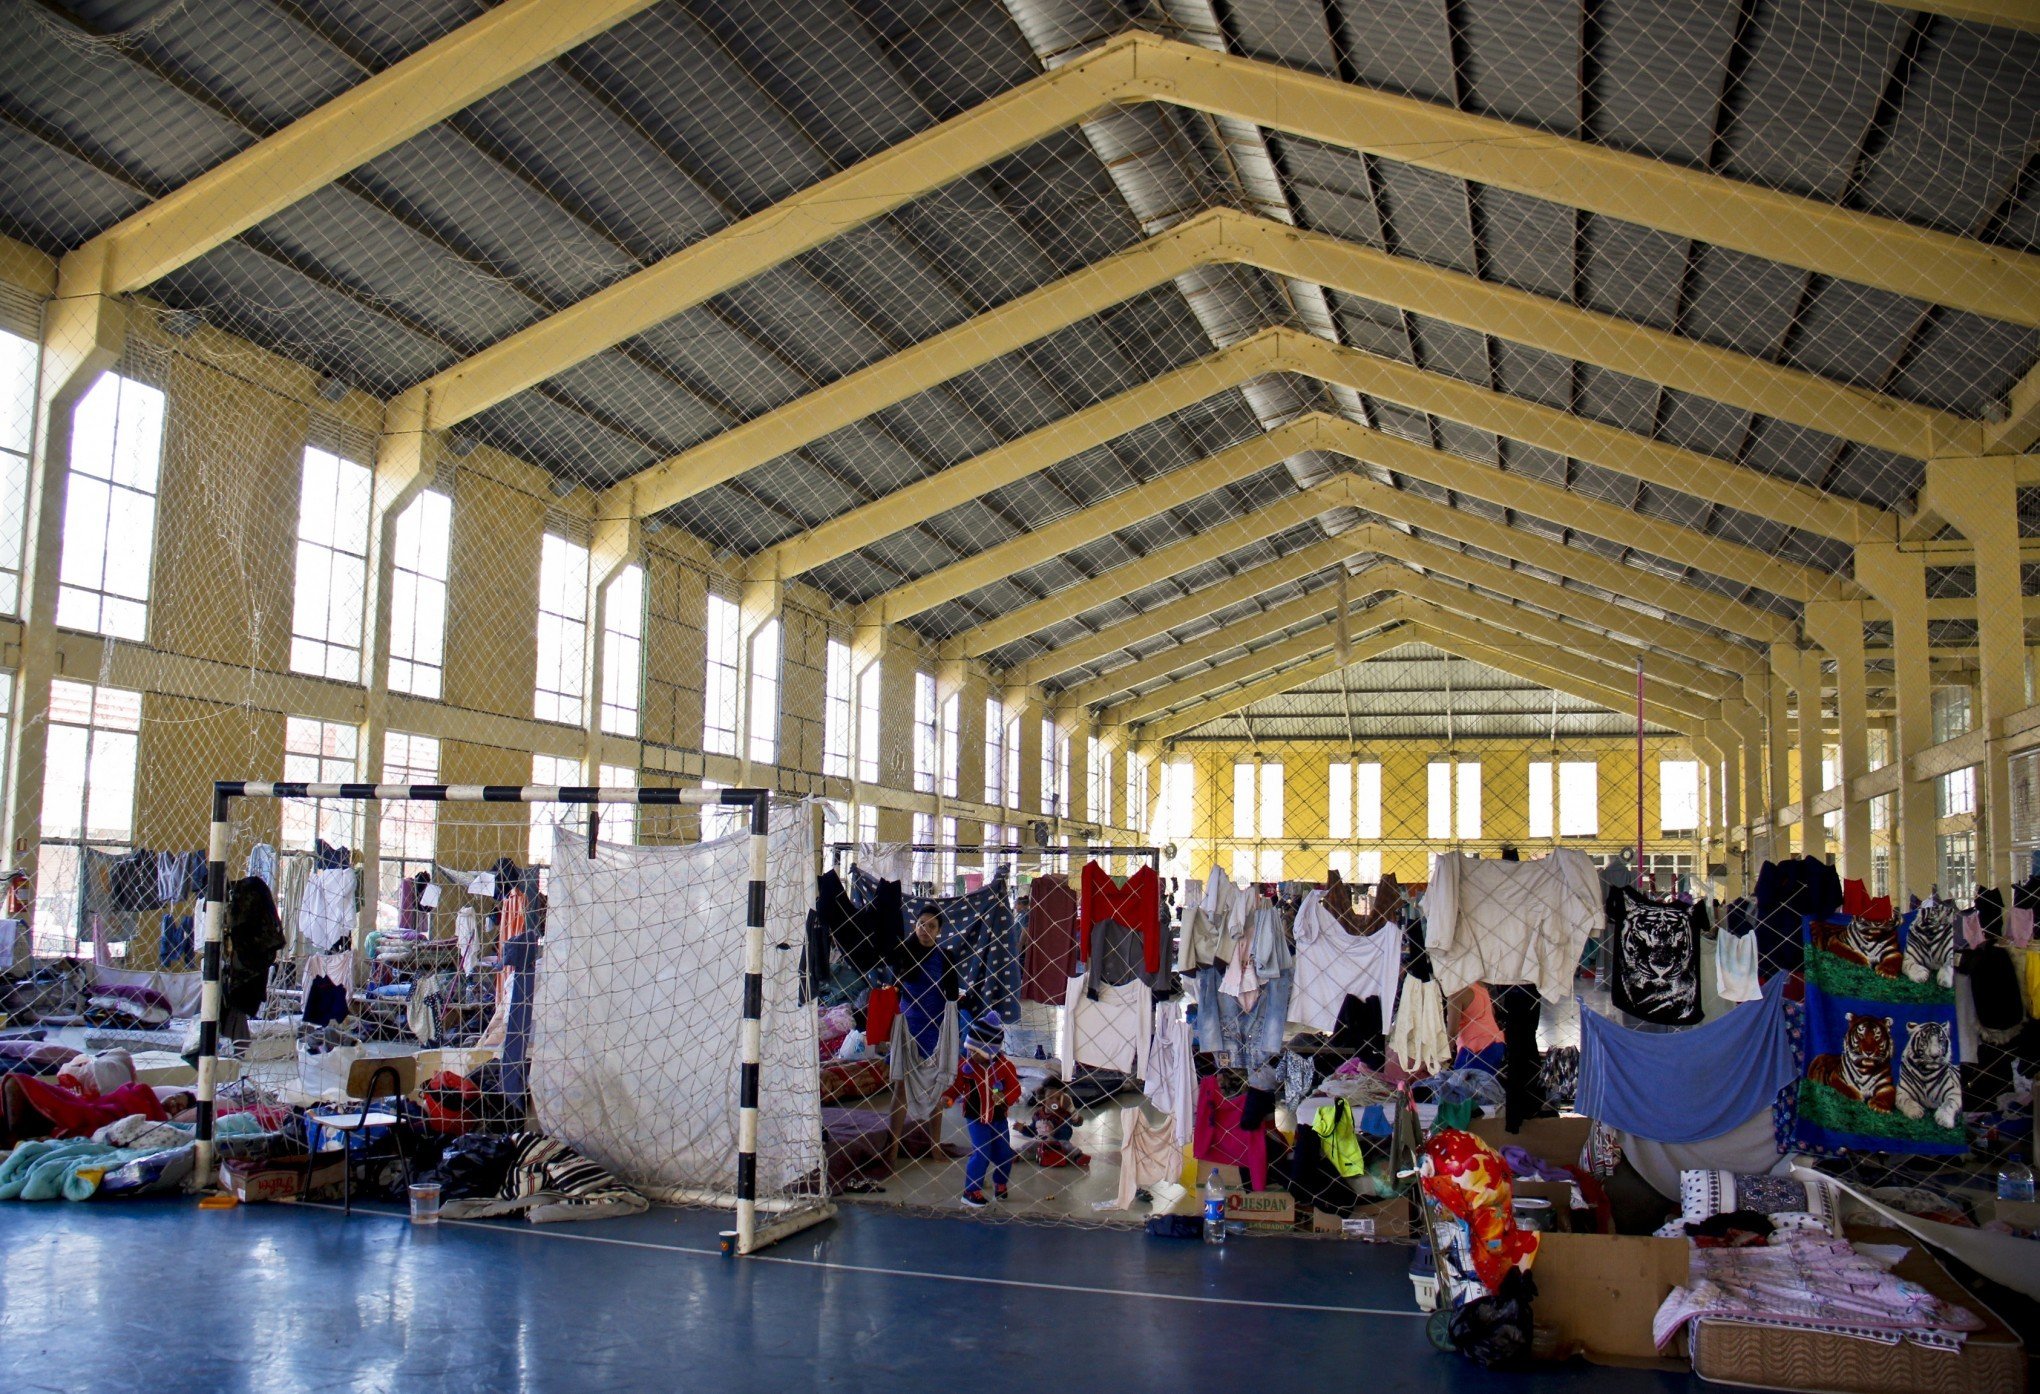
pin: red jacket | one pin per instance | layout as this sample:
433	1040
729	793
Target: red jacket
987	1091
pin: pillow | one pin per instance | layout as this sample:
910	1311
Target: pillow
1704	1194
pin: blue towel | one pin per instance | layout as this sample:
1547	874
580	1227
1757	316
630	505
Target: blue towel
1691	1085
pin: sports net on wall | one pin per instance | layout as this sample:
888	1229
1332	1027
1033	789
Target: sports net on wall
241	572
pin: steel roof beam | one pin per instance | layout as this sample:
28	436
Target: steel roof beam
1863	248
373	116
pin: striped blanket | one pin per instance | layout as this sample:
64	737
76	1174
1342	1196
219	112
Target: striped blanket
548	1181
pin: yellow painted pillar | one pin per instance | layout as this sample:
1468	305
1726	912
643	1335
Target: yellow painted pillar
1837	626
1980	497
82	338
1778	741
1898	579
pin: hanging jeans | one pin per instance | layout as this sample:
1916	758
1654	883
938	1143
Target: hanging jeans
991	1144
1517	1010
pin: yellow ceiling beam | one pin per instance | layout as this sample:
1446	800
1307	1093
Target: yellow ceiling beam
1534	663
1226	236
1049	540
1682	685
1157	566
1042	448
488	52
2020	430
2005	14
1253	581
1270	658
1861	248
1574	563
1318	604
1376	539
1668	635
1320	431
1718	374
1275	684
1807	233
1570	508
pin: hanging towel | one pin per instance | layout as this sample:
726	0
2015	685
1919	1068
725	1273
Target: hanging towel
1149	1155
1735	967
924	1077
1419	1040
1686	1086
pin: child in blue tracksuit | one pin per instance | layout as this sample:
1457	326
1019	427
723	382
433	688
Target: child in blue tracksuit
988	1085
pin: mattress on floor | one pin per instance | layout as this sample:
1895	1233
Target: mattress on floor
1991	1361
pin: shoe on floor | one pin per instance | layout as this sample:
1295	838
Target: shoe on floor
975	1199
1001	1194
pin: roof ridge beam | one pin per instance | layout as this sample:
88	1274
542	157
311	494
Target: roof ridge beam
1275	684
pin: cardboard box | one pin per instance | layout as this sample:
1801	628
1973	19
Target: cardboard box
2019	1214
279	1178
1600	1291
1382	1221
1277	1208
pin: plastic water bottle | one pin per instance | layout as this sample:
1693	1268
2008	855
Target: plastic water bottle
2015	1182
1214	1208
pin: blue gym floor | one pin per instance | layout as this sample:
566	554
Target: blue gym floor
161	1296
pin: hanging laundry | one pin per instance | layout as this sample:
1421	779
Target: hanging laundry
1686	1086
1735	967
980	933
1108	1031
1334	1127
1332	964
1880	1048
1135	903
1657	959
1418	1039
1511	922
922	1076
1170	1080
326	918
1050	945
1219	1135
1149	1155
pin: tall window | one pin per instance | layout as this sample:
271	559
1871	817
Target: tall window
553	769
1453	783
1353	791
619	820
952	744
1678	795
927	738
1257	864
1951	712
924	837
562	631
1055	767
1955	792
89	775
1257	800
1137	794
110	509
1012	743
320	752
409	827
1179	790
719	699
19	361
1097	781
332	567
867	824
868	696
423	543
1356	866
88	796
623	651
995	751
1578	796
763	717
836	710
1957	854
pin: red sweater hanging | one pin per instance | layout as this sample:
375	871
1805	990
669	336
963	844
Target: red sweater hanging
1135	903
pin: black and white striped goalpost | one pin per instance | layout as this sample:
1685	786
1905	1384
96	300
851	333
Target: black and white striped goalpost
750	1030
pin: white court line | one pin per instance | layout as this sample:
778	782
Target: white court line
899	1272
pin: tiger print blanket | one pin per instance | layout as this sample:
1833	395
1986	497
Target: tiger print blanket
1878	1045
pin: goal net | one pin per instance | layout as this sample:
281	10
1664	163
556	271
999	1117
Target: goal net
633	959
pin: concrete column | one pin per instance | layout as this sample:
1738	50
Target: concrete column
1728	741
82	338
1799	669
1778	748
613	544
1898	579
1980	497
1837	626
1025	708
